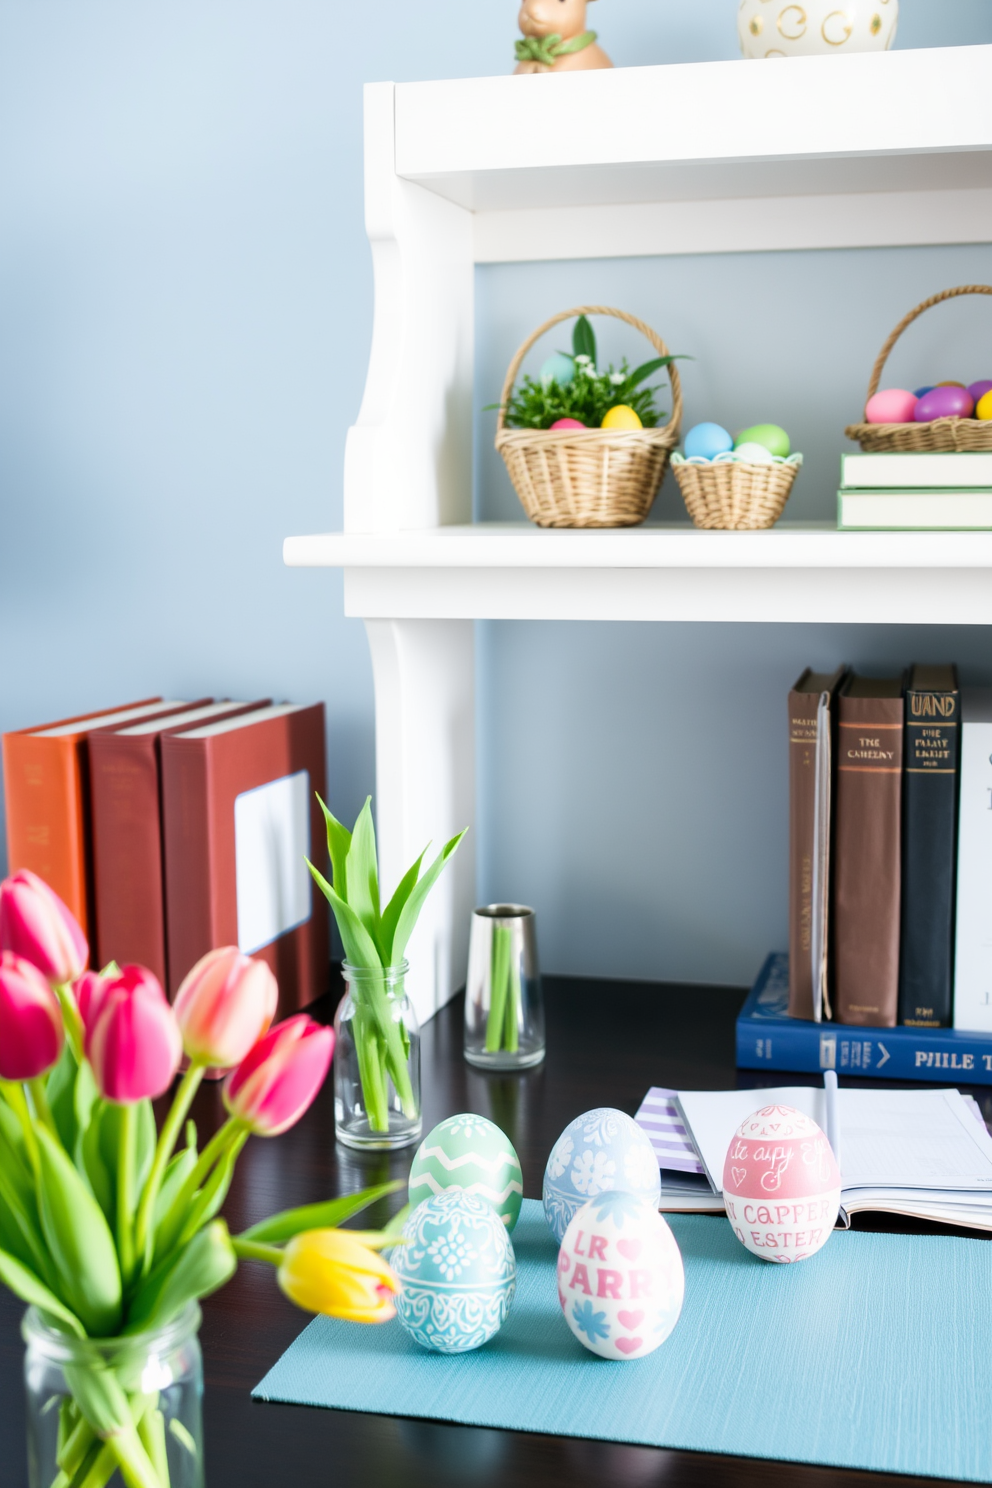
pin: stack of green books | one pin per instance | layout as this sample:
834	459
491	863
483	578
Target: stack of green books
944	492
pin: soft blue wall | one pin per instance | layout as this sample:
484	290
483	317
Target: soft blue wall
185	312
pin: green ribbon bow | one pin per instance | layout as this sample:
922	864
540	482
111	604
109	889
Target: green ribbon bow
547	49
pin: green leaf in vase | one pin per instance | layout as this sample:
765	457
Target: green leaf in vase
79	1240
279	1228
24	1284
338	843
393	910
359	947
198	1269
415	903
362	871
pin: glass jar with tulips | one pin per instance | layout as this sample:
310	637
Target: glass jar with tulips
109	1228
377	1063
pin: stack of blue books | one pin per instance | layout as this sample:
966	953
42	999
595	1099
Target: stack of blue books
768	1039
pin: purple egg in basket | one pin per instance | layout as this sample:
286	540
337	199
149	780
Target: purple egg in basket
944	402
979	389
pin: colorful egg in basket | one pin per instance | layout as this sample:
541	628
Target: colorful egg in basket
781	1185
469	1153
599	1151
620	1277
457	1271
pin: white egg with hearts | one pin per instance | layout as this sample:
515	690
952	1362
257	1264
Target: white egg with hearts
620	1277
598	1151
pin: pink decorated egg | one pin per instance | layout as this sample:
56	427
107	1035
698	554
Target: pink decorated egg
890	406
944	402
620	1276
568	423
781	1185
979	389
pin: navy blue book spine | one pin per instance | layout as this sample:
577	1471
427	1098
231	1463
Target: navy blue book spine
768	1039
929	843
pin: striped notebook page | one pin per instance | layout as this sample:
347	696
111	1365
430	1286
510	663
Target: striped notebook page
659	1117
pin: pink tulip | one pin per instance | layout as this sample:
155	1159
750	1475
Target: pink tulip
30	1020
132	1037
86	989
272	1088
35	924
224	1005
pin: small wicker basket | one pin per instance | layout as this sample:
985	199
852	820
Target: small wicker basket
587	477
940	434
734	496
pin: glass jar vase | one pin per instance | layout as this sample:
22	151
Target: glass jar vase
377	1060
504	1005
97	1403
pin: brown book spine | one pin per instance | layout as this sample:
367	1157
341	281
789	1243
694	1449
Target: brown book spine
868	852
46	799
190	879
802	808
127	851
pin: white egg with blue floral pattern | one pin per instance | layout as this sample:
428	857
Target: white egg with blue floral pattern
457	1271
598	1151
620	1277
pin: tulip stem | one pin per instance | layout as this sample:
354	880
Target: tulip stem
253	1250
125	1192
174	1220
42	1109
17	1101
71	1020
169	1135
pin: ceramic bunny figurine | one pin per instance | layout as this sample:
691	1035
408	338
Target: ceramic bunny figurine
555	38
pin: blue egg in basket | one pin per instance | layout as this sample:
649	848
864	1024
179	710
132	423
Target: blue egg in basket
457	1270
602	1150
704	441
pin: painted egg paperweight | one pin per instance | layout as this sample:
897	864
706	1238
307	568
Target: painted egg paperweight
469	1153
620	1276
781	1185
602	1150
457	1271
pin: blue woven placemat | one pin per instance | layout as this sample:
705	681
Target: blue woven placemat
876	1353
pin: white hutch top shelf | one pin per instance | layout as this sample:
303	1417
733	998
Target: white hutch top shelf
851	141
794	572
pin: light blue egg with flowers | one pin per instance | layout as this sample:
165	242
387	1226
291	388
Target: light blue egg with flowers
704	441
558	368
457	1271
602	1150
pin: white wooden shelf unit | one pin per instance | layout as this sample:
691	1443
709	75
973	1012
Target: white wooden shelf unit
832	152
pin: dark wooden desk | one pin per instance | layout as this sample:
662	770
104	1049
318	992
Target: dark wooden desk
607	1043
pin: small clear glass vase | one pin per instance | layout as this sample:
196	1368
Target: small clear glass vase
377	1060
112	1412
504	1004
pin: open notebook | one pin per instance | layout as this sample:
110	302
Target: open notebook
913	1152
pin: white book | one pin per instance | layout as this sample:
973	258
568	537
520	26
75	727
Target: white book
914	511
943	469
973	941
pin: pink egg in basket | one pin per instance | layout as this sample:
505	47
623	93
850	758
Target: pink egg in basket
891	406
781	1185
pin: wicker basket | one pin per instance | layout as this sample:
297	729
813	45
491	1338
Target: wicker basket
587	477
940	434
733	496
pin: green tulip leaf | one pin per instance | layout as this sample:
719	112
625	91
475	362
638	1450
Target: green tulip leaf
338	844
26	1285
196	1270
90	1162
79	1240
176	1174
362	872
415	903
61	1092
391	914
359	947
279	1228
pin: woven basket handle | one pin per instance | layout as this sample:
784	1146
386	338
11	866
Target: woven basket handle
631	320
947	294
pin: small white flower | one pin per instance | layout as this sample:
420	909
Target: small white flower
581	360
617	378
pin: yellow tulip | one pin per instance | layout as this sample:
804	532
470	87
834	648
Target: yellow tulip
333	1272
621	417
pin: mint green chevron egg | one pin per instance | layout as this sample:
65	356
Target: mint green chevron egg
468	1152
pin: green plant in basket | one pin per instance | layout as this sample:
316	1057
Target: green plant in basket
375	940
572	386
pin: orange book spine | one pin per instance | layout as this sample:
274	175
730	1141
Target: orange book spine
45	788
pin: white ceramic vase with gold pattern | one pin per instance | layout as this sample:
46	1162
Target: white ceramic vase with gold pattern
778	28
